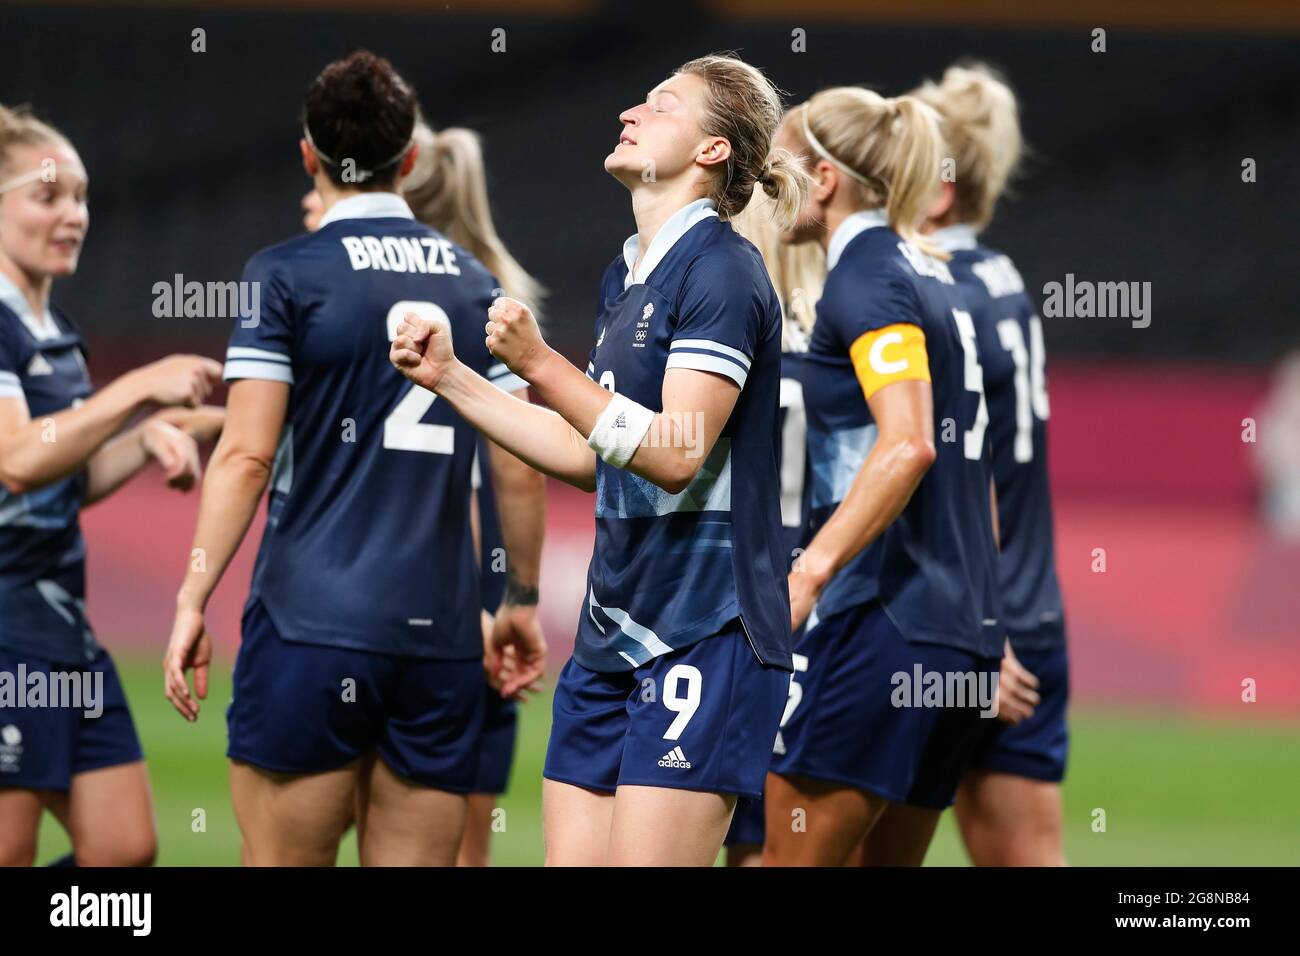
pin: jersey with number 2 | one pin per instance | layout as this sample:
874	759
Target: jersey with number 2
367	543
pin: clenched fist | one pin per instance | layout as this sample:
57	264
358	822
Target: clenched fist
422	350
513	336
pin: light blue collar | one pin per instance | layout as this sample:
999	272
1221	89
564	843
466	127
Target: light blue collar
368	206
848	230
12	297
676	226
960	236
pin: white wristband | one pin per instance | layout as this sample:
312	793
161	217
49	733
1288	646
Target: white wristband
619	430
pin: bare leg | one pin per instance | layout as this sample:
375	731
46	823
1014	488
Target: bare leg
900	837
292	819
576	823
108	814
20	820
407	824
815	823
661	826
475	846
1006	820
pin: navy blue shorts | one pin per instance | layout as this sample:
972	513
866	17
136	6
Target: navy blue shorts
874	711
747	824
309	708
497	751
1038	747
44	747
699	718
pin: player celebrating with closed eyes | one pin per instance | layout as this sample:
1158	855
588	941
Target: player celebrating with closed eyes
667	710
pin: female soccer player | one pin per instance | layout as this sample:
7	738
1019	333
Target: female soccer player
798	273
1009	805
63	447
447	189
359	681
901	566
667	709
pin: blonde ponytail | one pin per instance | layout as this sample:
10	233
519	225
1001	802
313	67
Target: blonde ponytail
914	181
785	184
744	107
447	189
890	149
981	123
797	270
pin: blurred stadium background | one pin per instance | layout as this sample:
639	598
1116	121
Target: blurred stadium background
1136	175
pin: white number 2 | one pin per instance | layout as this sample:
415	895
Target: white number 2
684	707
974	437
403	430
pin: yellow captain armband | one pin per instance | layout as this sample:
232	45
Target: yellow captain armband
895	353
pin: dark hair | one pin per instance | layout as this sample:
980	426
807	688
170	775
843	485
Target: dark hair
359	115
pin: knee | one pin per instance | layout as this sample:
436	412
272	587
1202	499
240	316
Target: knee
17	849
122	850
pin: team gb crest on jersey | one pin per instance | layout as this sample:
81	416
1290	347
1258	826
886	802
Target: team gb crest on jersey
643	326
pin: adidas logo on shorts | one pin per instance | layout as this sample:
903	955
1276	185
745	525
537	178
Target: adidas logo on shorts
675	758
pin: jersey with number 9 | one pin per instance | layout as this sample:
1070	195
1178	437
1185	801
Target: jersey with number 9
367	543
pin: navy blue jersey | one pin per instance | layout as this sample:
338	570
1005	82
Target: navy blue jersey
368	541
42	552
670	570
888	312
1010	337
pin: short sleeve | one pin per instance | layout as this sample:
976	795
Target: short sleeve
261	345
878	318
722	311
10	365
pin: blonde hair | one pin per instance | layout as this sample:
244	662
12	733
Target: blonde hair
798	271
447	189
19	127
981	123
744	108
891	149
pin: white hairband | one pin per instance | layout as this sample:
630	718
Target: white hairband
24	179
821	151
361	174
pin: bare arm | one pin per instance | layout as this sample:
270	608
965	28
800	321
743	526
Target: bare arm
696	405
535	435
237	476
515	657
521	507
903	452
169	436
34	454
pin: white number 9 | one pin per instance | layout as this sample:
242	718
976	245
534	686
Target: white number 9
684	707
